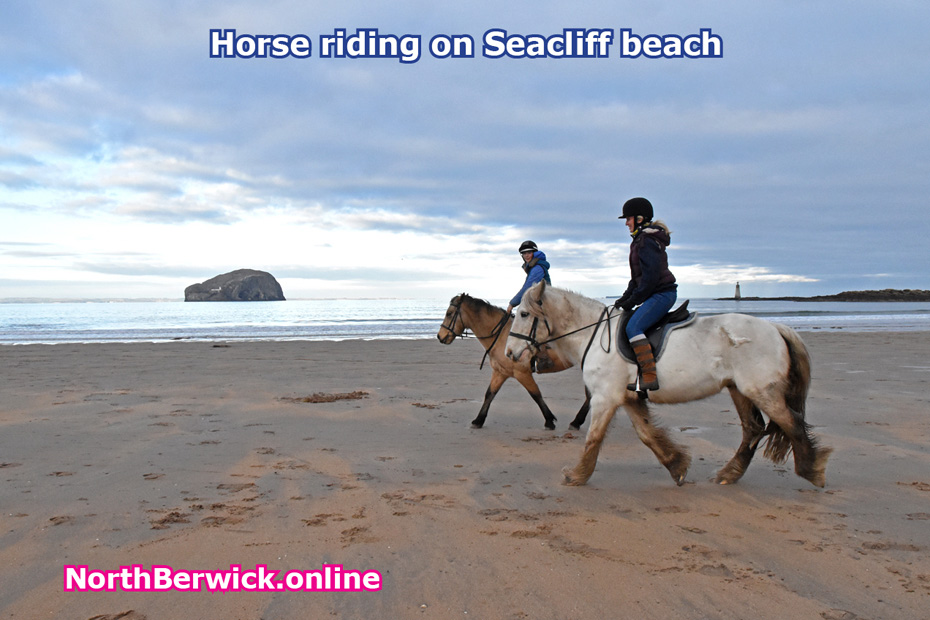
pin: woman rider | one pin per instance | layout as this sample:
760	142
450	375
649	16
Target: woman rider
652	286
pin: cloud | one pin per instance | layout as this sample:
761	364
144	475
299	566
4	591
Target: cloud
713	275
770	164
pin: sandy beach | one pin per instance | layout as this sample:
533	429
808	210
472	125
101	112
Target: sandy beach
202	456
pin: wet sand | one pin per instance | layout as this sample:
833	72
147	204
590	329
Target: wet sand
199	457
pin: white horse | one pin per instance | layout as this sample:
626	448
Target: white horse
765	366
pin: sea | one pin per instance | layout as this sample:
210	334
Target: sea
366	319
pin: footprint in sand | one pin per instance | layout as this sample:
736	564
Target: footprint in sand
123	615
170	519
891	546
235	487
356	535
217	521
432	500
838	614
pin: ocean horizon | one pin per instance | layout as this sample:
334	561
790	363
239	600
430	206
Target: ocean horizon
86	321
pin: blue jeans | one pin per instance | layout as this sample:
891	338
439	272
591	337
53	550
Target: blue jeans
649	313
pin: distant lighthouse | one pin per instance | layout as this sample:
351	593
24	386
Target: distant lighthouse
737	295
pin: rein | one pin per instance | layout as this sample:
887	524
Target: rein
496	332
531	337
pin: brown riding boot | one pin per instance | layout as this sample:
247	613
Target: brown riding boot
647	366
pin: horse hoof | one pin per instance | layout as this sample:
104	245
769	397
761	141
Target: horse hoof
570	479
678	468
818	481
818	476
574	427
550	427
474	425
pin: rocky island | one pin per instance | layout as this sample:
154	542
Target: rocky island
883	295
239	285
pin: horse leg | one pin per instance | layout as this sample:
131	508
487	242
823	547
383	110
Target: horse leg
789	431
603	413
527	381
753	431
497	380
582	413
673	456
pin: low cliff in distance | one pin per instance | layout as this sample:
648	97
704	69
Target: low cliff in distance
239	285
883	295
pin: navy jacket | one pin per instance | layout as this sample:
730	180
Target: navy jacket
649	272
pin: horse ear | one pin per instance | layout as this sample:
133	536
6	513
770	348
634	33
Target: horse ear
536	292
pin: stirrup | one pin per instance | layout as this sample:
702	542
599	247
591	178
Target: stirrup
641	389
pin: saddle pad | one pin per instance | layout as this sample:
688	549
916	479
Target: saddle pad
657	334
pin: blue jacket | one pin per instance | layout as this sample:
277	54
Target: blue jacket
536	270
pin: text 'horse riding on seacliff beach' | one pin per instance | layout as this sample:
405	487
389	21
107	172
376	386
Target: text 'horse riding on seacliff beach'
490	325
765	367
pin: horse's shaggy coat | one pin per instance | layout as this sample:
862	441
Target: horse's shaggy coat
765	367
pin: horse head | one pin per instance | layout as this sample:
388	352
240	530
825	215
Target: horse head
528	319
453	325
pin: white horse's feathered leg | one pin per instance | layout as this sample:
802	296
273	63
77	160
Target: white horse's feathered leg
673	456
603	412
753	430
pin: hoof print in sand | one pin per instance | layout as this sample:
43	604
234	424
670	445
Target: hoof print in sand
321	397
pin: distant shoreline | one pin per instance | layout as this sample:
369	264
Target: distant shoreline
884	295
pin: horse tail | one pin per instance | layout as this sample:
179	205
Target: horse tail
799	371
797	385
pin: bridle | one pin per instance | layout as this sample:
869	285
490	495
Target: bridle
531	337
455	317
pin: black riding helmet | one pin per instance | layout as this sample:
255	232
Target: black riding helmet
528	246
637	207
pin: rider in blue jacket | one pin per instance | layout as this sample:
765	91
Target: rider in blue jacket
537	268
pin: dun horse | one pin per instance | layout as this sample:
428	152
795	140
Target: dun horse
491	325
765	366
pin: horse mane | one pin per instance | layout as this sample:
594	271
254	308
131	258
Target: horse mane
563	293
479	304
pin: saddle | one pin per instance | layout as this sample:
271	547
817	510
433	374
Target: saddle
657	334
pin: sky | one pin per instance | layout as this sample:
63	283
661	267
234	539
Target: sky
132	164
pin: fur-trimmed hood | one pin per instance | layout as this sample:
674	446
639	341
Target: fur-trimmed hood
658	230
